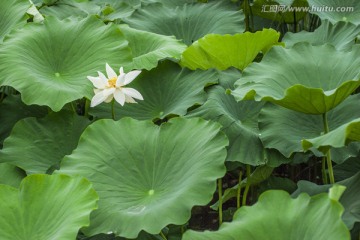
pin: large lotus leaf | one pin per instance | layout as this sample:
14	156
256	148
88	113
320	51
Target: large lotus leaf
347	169
12	15
70	8
284	129
341	34
305	78
148	48
167	90
224	51
48	63
12	109
188	22
277	216
337	10
10	175
349	200
240	124
46	207
148	176
337	138
280	10
38	145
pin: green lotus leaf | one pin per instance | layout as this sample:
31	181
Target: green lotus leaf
305	78
284	129
46	207
349	200
224	51
347	169
48	63
148	176
337	10
38	145
280	10
149	48
340	34
188	22
240	124
10	175
167	90
337	138
12	109
70	8
277	216
12	15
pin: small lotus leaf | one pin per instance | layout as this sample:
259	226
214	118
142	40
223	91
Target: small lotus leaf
224	51
149	48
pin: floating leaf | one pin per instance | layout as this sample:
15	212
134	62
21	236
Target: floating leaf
46	207
148	176
305	78
277	216
284	129
167	90
10	175
224	51
240	123
337	10
148	48
12	109
340	34
12	15
38	145
188	22
48	63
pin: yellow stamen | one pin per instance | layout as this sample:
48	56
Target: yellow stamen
112	82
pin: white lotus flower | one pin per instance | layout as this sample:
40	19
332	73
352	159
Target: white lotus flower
112	86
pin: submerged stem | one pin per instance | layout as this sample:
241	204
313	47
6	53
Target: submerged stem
220	201
328	153
239	190
247	187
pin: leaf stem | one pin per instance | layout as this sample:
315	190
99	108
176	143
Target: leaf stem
247	17
112	109
247	187
162	235
238	205
86	108
220	201
328	153
323	171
